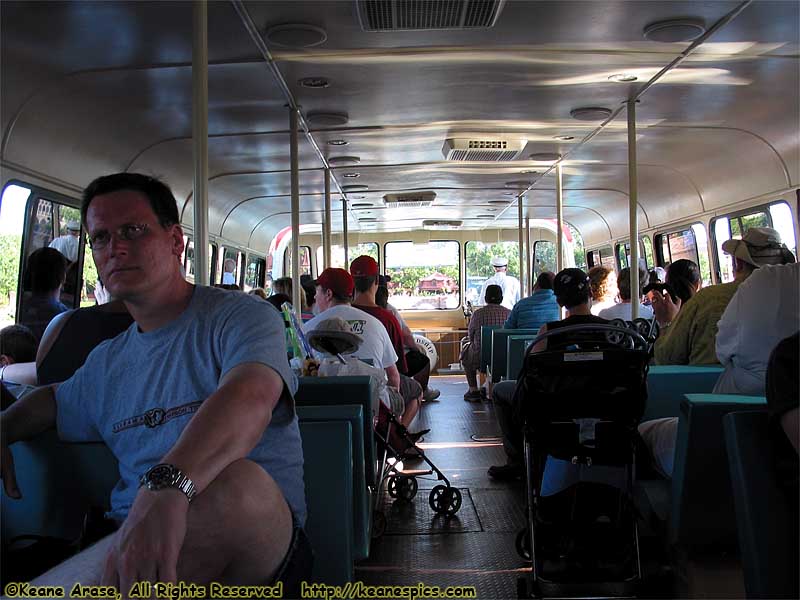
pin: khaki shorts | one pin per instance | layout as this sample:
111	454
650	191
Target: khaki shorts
409	389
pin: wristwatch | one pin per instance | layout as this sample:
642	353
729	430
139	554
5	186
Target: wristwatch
164	476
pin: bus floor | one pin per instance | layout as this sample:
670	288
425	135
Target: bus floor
476	547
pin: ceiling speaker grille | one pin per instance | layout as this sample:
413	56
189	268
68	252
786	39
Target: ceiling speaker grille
409	15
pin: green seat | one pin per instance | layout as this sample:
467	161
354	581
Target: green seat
517	346
766	519
324	391
328	471
59	481
498	366
486	346
362	504
667	384
702	504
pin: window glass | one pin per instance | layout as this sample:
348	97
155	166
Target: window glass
479	264
623	255
607	259
722	233
337	254
305	261
424	276
237	258
544	257
681	245
254	273
648	252
782	221
701	239
12	222
593	258
188	260
578	251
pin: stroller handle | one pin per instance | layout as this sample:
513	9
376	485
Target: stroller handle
624	331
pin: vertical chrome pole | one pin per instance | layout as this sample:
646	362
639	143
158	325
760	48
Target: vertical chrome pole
528	256
559	220
200	140
521	240
326	224
633	196
344	234
296	288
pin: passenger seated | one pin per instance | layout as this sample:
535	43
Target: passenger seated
572	290
623	310
334	293
604	288
538	308
494	313
47	269
783	402
17	352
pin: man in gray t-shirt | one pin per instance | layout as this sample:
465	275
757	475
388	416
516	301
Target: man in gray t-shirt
194	399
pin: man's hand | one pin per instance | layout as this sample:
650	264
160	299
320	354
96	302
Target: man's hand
147	545
664	308
7	472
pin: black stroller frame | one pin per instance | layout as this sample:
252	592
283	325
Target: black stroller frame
402	484
599	374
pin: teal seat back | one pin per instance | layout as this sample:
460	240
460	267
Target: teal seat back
328	471
498	366
667	384
765	515
702	503
486	346
325	391
353	414
59	482
517	345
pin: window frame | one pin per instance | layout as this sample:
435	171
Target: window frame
533	257
287	257
590	263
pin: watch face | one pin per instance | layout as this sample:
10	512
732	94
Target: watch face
160	475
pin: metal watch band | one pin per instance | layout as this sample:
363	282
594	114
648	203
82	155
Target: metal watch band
165	475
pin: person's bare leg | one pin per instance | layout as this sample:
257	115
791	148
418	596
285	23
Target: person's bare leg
411	410
238	531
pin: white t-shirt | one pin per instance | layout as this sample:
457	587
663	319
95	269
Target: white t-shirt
764	310
598	306
510	286
623	311
376	345
67	245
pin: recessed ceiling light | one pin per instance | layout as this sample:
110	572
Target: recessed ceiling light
360	204
327	119
314	82
528	172
545	156
590	113
564	138
675	30
355	188
504	194
338	142
622	77
351	175
343	160
492	209
296	35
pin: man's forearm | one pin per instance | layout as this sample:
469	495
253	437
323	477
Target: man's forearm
29	416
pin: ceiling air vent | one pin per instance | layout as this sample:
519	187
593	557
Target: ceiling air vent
439	224
482	149
405	15
409	200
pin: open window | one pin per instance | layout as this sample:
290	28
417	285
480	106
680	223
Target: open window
601	256
254	274
424	276
645	253
354	251
689	243
305	261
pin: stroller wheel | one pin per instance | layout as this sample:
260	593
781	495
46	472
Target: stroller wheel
523	543
445	500
392	488
407	488
378	524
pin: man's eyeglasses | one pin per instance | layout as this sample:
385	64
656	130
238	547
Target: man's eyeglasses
129	232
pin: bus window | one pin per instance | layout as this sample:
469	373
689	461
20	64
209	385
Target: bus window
623	255
188	263
479	267
305	261
337	254
701	240
424	276
690	244
601	257
237	257
782	221
578	252
648	252
254	275
12	222
544	257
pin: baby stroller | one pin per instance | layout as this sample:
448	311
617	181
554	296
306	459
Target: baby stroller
580	402
401	483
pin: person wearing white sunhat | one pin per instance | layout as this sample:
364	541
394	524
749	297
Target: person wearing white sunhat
508	283
68	244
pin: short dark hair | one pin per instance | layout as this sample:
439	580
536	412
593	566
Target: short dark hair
545	280
682	277
47	269
161	198
493	294
572	287
624	282
382	296
18	342
364	283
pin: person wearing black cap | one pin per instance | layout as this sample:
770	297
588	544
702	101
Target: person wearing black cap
573	292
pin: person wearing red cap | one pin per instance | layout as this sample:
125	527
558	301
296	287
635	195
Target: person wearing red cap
333	296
